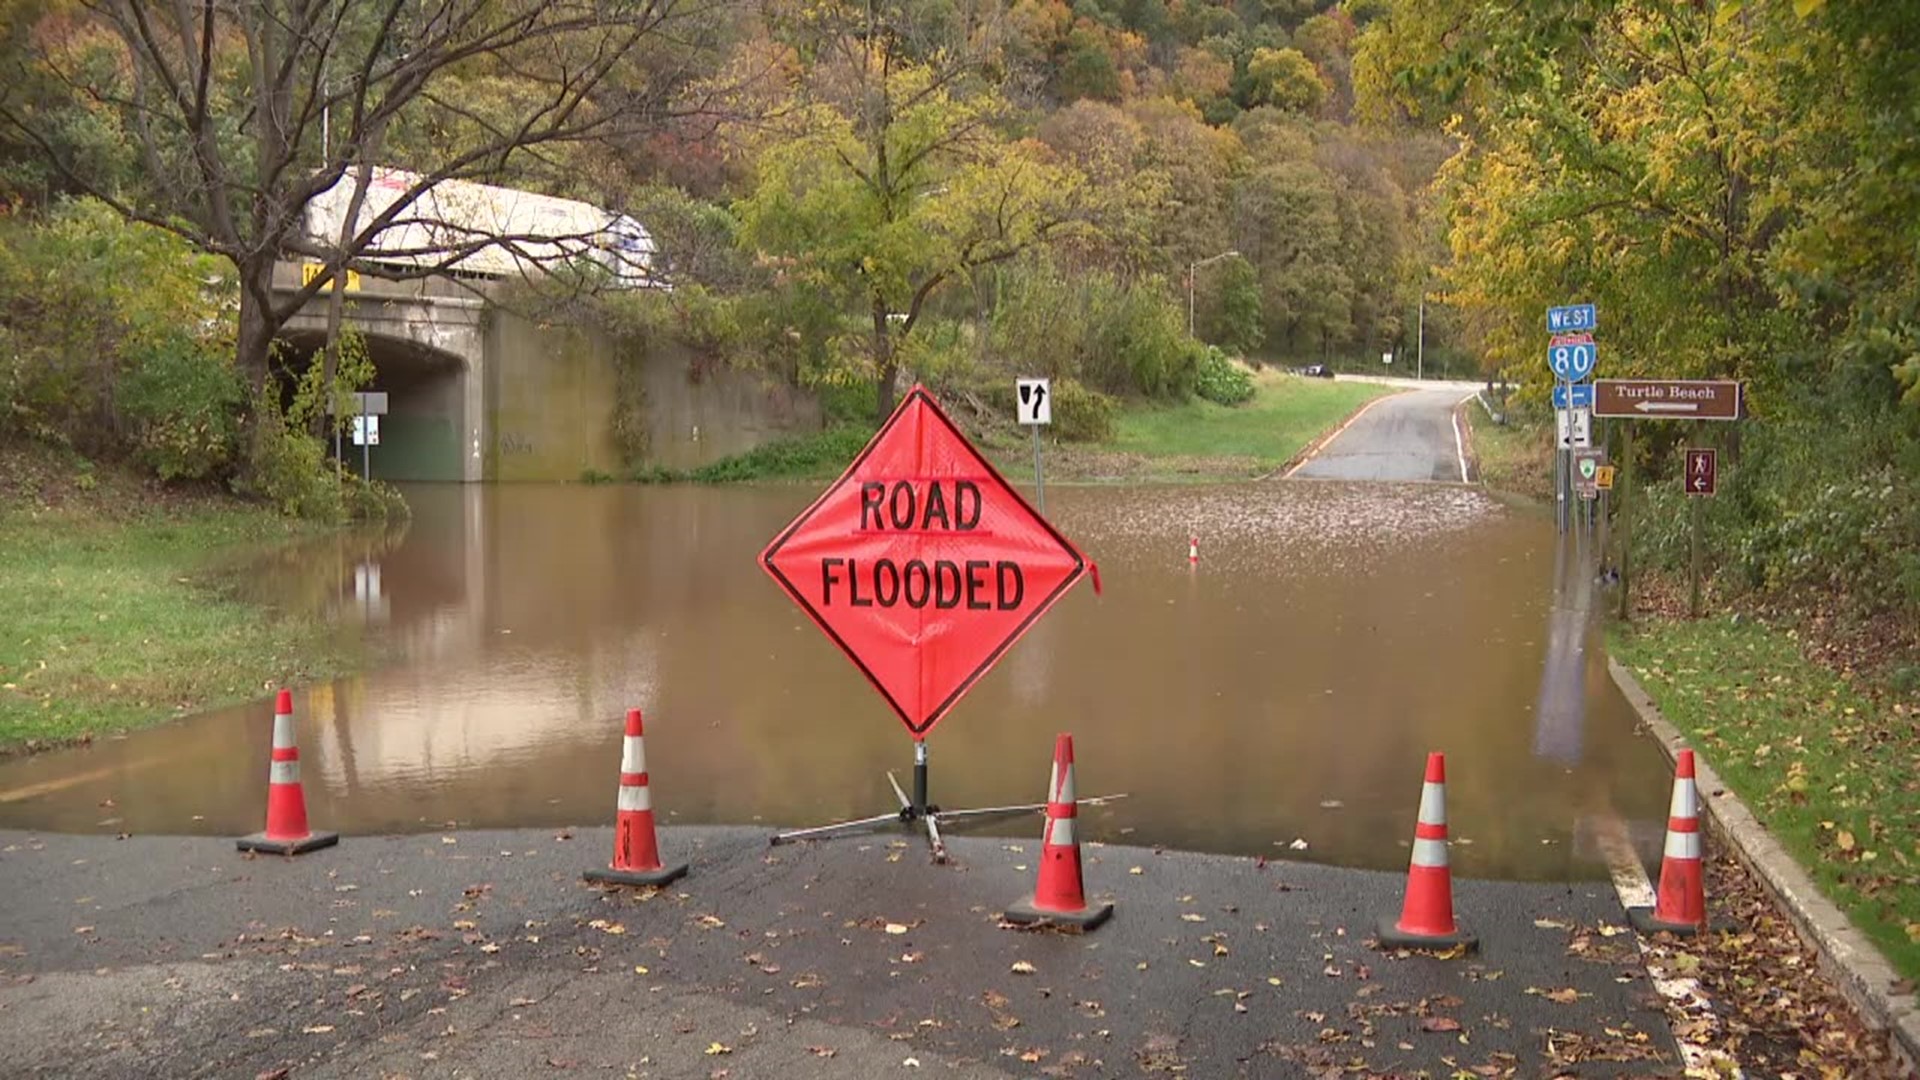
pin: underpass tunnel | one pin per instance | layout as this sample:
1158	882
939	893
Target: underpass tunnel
419	438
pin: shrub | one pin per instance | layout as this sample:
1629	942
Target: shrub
1218	379
1081	414
182	401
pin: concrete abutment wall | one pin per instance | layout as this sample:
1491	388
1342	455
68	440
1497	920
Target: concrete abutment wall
478	392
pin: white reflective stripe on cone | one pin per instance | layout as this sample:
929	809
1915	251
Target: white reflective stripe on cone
633	755
1053	782
284	772
635	797
1682	845
282	730
1429	853
1065	794
1060	832
1685	799
1433	804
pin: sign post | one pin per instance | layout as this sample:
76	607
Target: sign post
1675	399
924	566
1035	410
369	407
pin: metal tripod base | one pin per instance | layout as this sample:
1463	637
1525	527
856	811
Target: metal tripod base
917	809
663	876
310	842
929	818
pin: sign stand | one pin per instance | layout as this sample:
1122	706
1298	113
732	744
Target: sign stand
918	809
924	566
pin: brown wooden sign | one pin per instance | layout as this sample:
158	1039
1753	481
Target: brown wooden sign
1667	399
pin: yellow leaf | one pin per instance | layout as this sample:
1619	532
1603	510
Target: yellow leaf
1843	840
718	1048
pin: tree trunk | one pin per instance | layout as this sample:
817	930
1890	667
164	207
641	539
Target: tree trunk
258	323
253	347
884	362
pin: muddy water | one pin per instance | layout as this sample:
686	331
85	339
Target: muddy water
1277	699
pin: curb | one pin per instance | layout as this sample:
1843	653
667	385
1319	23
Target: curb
1863	974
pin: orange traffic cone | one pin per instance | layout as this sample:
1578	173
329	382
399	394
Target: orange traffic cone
1193	549
286	832
636	851
1060	898
1680	905
1426	919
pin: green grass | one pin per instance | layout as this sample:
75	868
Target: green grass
1286	414
1515	456
1834	774
110	622
821	455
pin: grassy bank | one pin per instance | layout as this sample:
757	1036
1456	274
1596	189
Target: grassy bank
1828	769
1515	456
1197	440
111	621
1286	415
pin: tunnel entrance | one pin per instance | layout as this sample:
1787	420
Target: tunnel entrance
420	436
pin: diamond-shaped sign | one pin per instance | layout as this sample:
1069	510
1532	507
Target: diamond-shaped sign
922	563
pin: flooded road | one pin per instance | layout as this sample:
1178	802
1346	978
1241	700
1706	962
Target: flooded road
1286	689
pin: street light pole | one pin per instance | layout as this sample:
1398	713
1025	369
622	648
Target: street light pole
1193	268
1420	346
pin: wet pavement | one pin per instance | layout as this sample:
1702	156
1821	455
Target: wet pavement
481	954
1404	437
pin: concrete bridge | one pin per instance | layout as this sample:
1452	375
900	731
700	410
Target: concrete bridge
478	392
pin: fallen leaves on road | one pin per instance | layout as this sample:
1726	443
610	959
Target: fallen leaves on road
1022	967
717	1048
1439	1023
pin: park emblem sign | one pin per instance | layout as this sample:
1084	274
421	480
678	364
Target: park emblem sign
922	563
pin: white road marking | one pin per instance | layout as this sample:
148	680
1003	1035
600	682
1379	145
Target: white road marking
1459	445
1688	1006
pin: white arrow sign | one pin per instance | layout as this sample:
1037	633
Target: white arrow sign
1667	406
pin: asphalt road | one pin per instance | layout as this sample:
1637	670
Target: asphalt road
481	954
1406	437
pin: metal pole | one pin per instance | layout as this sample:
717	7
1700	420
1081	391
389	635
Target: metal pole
366	445
1626	514
920	777
1192	269
1693	531
1420	346
1039	484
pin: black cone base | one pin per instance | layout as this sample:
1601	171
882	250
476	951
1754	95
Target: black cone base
1391	937
1643	921
662	876
310	842
1084	920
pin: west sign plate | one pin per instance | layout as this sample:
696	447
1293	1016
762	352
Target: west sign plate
922	563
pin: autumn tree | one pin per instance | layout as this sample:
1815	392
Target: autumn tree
229	119
897	176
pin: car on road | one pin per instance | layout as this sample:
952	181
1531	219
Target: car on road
1317	371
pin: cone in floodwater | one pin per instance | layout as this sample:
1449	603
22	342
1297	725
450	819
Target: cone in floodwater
1680	904
1426	918
636	849
287	832
1060	895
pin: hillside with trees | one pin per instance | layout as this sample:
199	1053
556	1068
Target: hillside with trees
1737	187
845	195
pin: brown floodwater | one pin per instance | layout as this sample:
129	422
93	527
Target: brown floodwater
1278	698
